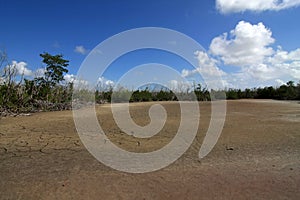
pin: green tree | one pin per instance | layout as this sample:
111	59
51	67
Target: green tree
292	90
47	86
232	94
56	66
287	92
248	93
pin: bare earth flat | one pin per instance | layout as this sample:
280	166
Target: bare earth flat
256	157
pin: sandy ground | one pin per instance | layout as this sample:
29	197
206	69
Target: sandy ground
256	157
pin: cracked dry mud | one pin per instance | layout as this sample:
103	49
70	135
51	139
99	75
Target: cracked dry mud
256	157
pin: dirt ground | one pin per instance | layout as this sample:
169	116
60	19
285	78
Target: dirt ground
256	157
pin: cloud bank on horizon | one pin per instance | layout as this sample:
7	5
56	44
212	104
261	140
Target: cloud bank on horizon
247	47
235	6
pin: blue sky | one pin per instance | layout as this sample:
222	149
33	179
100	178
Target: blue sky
73	28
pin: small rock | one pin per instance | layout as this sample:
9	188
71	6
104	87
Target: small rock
229	148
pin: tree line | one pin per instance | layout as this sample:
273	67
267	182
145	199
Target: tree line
49	91
288	91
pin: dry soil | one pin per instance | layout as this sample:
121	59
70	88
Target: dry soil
256	157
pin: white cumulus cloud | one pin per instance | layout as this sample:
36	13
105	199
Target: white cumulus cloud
208	69
279	82
248	48
20	68
78	82
104	83
234	6
207	66
179	85
245	45
69	78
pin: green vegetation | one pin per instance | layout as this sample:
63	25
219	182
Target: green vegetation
18	94
290	91
49	91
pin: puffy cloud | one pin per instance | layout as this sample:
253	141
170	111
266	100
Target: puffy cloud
81	49
78	83
279	82
268	73
208	69
282	56
282	65
69	78
109	83
257	63
207	66
233	6
247	44
286	63
249	48
179	85
104	84
261	72
21	68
